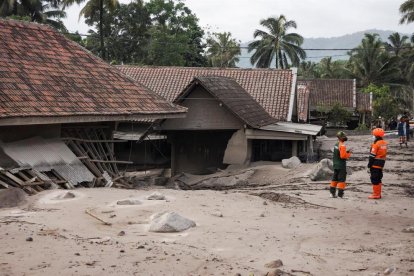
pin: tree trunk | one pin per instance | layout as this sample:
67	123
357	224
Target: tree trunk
101	34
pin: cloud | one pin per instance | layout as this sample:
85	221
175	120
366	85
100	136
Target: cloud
315	18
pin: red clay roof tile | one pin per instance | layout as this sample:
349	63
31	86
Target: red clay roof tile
271	88
42	73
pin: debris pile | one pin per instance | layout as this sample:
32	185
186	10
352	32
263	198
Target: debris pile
83	157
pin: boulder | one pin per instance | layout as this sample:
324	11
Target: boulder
156	196
322	171
274	264
130	201
168	222
291	163
12	197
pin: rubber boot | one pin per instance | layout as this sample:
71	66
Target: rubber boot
341	189
341	193
376	191
332	190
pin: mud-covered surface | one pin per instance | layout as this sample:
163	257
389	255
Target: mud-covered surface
278	215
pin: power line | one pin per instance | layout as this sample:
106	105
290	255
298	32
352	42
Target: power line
240	47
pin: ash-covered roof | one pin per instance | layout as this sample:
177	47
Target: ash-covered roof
271	88
44	74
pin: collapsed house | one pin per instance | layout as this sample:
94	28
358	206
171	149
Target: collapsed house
316	98
273	92
59	106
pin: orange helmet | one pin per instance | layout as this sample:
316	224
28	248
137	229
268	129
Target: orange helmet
378	132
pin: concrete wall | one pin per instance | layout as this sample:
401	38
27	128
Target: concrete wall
204	113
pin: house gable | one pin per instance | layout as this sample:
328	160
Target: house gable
204	113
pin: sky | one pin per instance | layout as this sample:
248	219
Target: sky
315	18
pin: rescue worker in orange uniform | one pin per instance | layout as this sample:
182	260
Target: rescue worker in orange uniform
378	154
340	155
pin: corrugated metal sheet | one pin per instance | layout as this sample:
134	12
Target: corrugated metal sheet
307	129
136	135
47	154
7	163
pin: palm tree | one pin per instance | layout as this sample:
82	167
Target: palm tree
407	11
276	44
41	11
92	9
370	62
223	50
308	70
397	43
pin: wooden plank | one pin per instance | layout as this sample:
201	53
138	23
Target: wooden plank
110	150
12	177
4	184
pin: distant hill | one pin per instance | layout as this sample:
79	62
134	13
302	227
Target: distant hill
341	42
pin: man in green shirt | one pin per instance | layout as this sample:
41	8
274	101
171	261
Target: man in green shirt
340	155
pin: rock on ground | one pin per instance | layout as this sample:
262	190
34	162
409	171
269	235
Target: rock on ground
291	163
130	201
156	196
274	264
322	171
168	222
12	197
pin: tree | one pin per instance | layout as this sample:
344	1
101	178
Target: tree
308	70
176	37
370	62
127	29
91	11
41	11
223	50
329	69
407	11
276	44
338	115
384	104
397	43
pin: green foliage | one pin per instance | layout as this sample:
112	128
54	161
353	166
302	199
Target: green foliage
370	62
362	127
384	104
154	33
41	11
407	11
338	115
19	17
176	37
223	50
276	44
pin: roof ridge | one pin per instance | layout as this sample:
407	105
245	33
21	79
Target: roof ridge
202	68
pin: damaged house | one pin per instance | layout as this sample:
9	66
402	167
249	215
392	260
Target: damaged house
59	106
270	91
316	97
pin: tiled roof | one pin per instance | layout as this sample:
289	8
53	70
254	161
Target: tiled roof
271	88
44	74
328	92
234	97
302	102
